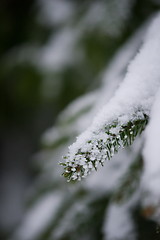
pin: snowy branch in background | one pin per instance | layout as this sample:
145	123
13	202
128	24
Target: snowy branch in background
118	223
103	146
151	175
124	117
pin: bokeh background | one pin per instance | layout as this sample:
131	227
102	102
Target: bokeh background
51	52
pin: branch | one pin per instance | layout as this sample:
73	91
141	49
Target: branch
102	146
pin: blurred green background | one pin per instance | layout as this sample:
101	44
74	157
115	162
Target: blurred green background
50	53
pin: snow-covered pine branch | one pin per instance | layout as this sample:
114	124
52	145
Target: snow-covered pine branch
79	114
126	114
103	146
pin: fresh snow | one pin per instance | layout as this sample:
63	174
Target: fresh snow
137	91
135	94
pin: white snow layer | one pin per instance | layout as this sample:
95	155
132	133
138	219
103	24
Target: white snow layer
137	90
151	175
